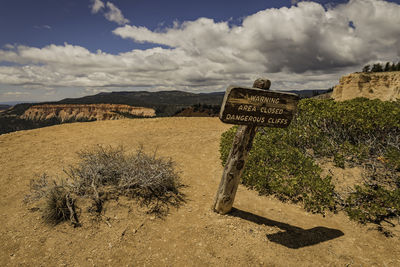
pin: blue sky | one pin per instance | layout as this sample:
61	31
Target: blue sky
51	49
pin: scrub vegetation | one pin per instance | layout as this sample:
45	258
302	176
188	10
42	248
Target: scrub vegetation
358	132
105	173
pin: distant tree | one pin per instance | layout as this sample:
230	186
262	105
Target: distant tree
377	68
387	67
315	93
366	68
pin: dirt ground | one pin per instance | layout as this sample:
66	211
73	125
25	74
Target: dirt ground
262	231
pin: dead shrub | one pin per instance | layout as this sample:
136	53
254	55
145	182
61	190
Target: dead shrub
58	202
105	173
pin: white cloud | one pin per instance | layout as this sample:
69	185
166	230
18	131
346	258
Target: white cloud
97	5
115	15
8	46
112	12
47	27
14	93
296	39
301	47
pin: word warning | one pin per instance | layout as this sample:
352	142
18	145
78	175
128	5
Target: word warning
258	107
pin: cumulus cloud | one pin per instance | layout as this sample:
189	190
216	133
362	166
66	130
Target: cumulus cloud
305	46
111	13
301	38
97	5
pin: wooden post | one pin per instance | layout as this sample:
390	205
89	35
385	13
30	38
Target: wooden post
236	160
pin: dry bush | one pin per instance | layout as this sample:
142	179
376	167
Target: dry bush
106	173
59	204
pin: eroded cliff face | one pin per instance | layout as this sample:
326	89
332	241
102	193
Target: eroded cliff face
76	112
378	85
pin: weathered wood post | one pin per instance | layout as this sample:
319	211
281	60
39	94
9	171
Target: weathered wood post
251	107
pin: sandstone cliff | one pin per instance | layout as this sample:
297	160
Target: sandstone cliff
382	85
76	112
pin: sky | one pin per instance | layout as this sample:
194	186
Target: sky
54	49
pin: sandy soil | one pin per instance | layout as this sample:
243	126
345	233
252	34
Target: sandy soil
262	231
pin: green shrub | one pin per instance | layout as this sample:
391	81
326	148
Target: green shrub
373	203
275	167
392	158
327	126
358	132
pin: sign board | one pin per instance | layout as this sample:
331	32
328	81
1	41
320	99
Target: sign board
258	107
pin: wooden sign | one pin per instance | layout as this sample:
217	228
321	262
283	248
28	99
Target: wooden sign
252	107
258	107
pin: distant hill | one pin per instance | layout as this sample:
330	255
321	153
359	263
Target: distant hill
4	107
199	110
309	93
165	104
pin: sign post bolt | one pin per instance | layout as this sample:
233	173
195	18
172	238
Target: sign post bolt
234	166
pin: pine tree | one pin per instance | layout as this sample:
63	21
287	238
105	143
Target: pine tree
387	66
377	68
366	68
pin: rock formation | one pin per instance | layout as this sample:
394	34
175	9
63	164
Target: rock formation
83	112
382	85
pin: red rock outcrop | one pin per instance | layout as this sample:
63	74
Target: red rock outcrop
82	112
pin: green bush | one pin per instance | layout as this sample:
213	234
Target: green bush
275	167
392	158
373	203
358	132
366	126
